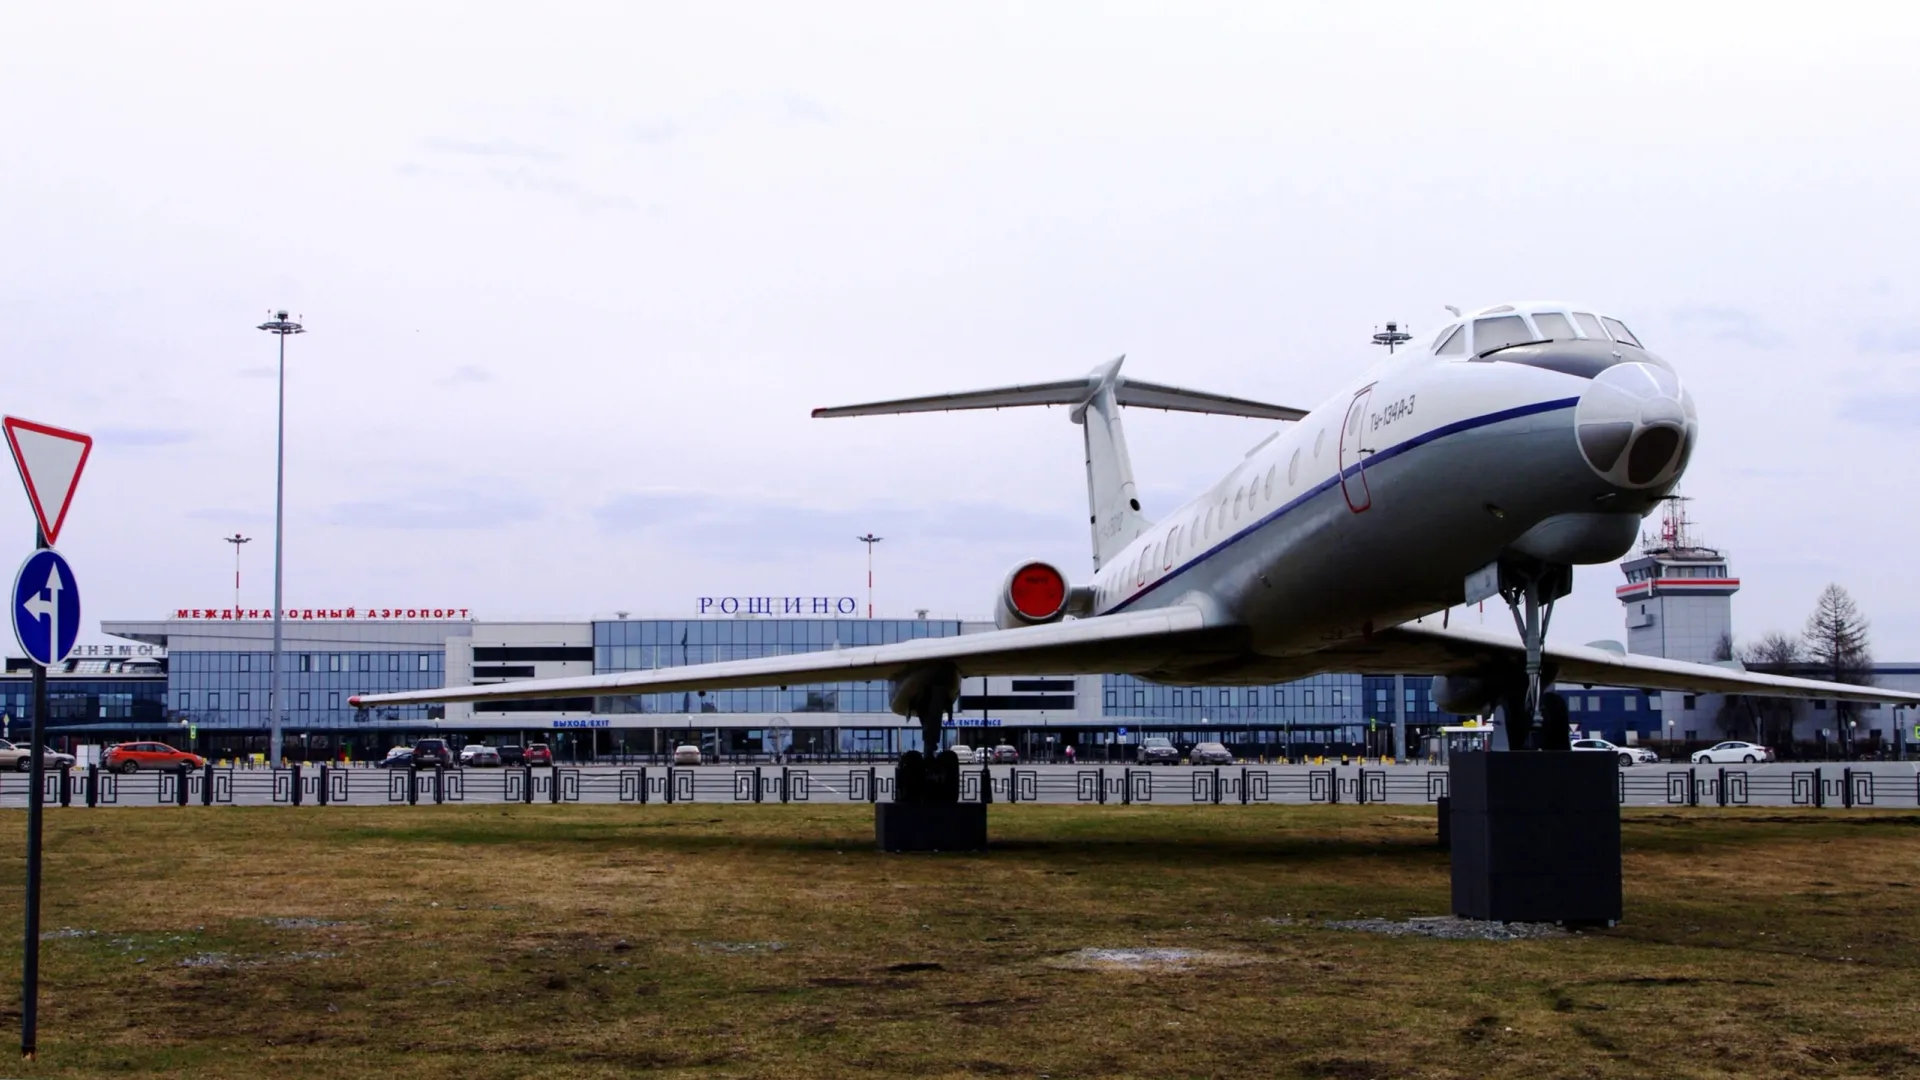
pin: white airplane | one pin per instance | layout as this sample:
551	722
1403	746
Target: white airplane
1520	441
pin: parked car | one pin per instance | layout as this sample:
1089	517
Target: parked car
537	754
1005	755
1210	753
132	757
399	757
1157	750
964	753
432	754
686	755
20	756
478	756
1628	755
512	754
1733	752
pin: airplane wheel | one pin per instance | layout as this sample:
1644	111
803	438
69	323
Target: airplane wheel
944	778
910	778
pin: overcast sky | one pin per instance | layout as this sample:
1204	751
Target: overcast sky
574	274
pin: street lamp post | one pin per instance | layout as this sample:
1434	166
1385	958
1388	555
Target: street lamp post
280	327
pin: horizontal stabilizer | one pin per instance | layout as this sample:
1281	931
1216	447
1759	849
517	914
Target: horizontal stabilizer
1146	395
1075	392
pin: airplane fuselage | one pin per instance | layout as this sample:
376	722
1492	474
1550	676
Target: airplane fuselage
1376	507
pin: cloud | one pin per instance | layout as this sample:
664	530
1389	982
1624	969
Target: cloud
141	436
466	374
230	516
498	148
579	195
1904	339
654	132
1736	326
1884	409
437	510
768	530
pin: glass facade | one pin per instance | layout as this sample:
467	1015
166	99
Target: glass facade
639	645
92	703
231	689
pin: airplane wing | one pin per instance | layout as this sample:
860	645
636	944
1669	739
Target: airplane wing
1129	642
1418	648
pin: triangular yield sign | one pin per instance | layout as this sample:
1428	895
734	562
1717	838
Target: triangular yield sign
50	460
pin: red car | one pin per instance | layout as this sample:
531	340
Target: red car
134	756
538	754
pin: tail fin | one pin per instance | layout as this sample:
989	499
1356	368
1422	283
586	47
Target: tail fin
1113	502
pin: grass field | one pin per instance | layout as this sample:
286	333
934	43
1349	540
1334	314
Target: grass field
578	941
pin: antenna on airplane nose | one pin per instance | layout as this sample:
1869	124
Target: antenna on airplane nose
1392	337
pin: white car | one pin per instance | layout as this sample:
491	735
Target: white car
686	755
1733	753
478	756
1628	755
963	752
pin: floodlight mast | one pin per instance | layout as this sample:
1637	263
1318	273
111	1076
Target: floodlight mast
869	540
236	540
1392	337
280	327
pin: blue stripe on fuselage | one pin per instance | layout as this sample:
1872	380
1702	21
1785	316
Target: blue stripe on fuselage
1396	450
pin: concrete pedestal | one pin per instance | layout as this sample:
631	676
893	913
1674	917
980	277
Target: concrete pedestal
1535	837
930	827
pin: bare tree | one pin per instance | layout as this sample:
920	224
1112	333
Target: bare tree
1836	637
1770	719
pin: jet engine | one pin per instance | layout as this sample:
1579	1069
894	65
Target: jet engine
1036	592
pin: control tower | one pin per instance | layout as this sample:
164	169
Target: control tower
1679	593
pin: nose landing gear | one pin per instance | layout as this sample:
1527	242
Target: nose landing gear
1530	588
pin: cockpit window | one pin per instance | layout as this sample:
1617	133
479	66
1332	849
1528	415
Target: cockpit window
1454	344
1620	332
1589	326
1553	325
1498	333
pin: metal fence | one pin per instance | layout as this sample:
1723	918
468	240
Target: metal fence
1890	784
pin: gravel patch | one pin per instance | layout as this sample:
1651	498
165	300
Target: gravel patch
1452	928
1146	959
739	946
302	923
207	960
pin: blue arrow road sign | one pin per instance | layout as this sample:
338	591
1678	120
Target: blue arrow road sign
46	608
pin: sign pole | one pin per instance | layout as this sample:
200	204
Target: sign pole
30	963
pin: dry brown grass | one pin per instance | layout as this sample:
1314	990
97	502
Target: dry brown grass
477	942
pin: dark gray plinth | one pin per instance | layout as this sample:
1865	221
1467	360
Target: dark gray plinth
935	827
1535	837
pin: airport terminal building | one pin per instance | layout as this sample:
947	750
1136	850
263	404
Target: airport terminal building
217	674
201	678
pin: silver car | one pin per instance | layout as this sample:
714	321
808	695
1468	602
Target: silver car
17	756
1156	750
1210	753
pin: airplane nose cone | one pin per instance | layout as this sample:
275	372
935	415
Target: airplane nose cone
1637	425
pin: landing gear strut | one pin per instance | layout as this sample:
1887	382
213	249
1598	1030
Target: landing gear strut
924	776
1530	588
